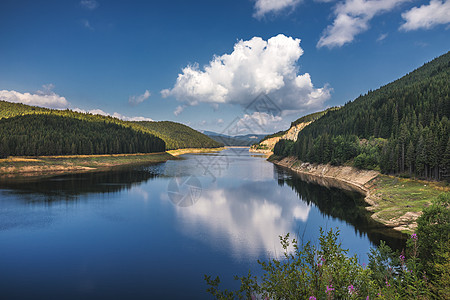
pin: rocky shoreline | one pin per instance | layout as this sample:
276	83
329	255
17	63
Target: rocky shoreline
349	178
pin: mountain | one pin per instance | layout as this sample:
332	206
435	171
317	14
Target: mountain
238	140
267	144
25	129
400	128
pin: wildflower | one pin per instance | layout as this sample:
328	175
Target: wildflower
414	236
402	257
351	289
330	289
367	298
322	260
312	298
388	284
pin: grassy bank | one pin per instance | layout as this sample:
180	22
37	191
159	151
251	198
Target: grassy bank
39	166
398	202
395	202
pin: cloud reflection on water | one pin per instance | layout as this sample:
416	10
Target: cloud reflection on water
250	217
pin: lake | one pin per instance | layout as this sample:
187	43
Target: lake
153	231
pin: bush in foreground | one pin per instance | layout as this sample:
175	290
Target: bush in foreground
326	271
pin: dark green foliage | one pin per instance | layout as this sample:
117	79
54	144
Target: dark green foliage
8	109
283	147
326	272
179	136
48	134
433	234
411	114
175	135
323	149
304	119
313	116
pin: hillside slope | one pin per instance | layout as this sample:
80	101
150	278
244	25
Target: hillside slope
267	144
39	134
400	128
174	135
178	136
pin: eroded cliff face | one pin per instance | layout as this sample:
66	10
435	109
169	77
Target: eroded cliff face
332	176
292	133
267	145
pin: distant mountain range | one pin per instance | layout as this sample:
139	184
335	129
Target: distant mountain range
238	140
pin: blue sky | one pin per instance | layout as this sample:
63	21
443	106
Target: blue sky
202	62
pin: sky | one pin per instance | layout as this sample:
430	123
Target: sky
231	67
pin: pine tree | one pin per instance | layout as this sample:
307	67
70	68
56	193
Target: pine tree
446	162
410	157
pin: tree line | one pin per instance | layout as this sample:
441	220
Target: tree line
47	134
401	128
175	135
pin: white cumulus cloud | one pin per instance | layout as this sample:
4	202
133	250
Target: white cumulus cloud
427	16
125	118
135	100
255	66
44	98
352	17
263	7
98	111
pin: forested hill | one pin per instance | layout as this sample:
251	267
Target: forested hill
400	128
305	119
40	134
178	135
174	135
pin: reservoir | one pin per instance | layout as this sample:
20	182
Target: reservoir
154	231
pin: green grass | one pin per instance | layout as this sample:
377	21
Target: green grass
397	196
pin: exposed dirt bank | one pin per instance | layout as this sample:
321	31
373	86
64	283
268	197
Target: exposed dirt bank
395	202
47	166
267	145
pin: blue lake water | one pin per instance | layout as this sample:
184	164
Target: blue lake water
152	232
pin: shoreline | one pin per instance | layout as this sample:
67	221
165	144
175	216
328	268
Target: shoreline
48	166
394	202
178	152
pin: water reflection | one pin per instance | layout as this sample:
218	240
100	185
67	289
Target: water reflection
117	235
70	187
250	217
346	205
